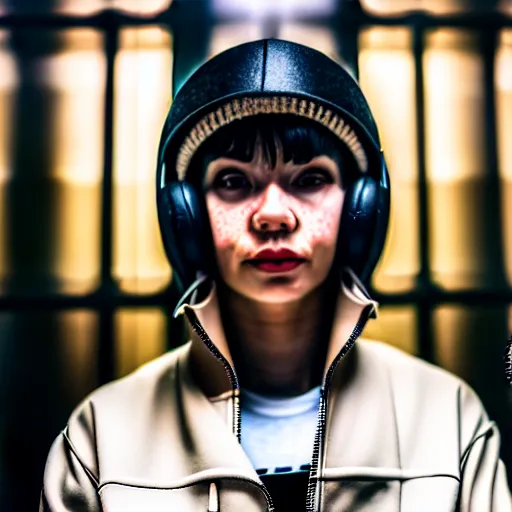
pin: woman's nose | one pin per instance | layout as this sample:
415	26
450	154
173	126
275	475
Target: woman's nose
274	213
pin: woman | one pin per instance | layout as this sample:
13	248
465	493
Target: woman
273	202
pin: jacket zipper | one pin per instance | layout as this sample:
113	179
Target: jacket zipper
312	497
233	379
312	504
317	446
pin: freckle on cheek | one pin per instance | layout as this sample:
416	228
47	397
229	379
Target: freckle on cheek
227	225
320	223
322	228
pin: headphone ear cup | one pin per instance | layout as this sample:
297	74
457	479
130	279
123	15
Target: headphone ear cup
364	223
358	224
181	221
382	213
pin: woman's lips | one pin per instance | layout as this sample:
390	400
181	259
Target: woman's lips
276	260
274	266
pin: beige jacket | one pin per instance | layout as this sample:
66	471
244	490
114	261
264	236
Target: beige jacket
395	434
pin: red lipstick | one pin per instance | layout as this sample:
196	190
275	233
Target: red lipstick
281	260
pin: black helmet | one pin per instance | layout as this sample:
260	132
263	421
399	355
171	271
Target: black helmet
269	76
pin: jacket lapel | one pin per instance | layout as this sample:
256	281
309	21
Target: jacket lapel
361	439
212	445
210	363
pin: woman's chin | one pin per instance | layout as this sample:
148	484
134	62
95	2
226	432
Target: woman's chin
275	292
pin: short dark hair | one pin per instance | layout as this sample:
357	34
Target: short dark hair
300	140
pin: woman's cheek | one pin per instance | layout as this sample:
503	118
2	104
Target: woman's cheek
324	228
321	224
227	223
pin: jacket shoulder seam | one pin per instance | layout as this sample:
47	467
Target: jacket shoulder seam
491	425
74	451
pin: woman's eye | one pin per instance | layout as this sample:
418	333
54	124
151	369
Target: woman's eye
231	181
313	179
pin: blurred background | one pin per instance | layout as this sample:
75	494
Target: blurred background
85	287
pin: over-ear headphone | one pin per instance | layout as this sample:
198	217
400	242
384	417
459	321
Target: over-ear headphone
183	225
219	93
187	239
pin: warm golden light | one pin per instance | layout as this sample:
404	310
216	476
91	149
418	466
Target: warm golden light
387	7
146	7
396	326
76	78
470	342
454	101
455	157
142	99
80	7
504	131
386	71
77	332
140	337
59	148
8	84
227	35
87	7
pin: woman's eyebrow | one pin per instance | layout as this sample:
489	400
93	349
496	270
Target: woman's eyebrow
326	163
316	163
222	163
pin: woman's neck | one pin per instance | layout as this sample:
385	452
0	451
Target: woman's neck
277	348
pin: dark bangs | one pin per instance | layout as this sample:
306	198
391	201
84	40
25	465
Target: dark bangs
299	139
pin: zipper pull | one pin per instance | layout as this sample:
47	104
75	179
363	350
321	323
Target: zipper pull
213	498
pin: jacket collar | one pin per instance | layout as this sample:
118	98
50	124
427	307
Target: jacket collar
210	355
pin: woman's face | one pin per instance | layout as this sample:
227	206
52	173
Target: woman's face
294	207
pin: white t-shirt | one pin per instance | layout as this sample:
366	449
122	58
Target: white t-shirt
278	432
